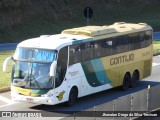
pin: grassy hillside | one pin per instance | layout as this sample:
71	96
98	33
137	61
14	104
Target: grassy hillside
25	19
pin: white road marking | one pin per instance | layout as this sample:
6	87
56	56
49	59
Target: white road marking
155	64
6	100
7	105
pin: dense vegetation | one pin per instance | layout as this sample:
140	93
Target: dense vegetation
23	19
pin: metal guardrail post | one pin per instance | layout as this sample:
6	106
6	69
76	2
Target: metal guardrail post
114	103
131	101
74	116
148	97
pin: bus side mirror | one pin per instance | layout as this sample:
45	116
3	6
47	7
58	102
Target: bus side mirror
52	72
7	60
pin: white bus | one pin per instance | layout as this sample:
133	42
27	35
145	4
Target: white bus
52	69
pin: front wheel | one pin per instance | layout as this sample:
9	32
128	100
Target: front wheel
72	97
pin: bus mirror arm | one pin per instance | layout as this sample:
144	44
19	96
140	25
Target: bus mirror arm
7	60
52	81
52	72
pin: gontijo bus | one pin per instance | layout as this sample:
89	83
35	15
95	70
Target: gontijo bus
52	69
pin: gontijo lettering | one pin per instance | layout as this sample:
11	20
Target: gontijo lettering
121	59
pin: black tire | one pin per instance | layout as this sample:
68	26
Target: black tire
126	82
72	97
135	79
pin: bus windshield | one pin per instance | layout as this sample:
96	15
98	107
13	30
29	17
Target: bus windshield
35	55
32	67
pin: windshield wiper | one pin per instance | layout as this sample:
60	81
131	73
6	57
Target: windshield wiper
33	81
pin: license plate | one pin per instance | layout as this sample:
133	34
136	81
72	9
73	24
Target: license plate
29	99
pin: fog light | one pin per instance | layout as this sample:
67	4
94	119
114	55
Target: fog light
47	95
49	101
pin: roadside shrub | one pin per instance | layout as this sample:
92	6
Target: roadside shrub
9	4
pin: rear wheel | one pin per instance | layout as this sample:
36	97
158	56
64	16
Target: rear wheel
135	79
126	82
72	97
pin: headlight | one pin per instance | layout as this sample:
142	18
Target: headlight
47	95
44	95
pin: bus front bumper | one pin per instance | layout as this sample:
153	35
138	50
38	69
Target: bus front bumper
39	100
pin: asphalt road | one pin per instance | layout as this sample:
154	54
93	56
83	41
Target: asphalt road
83	103
8	46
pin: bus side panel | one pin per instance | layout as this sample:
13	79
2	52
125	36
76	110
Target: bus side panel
115	76
96	78
88	77
61	93
114	73
95	73
74	76
147	68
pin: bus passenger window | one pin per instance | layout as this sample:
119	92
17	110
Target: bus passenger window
141	38
114	48
108	47
134	41
86	52
97	50
92	49
122	44
147	38
74	54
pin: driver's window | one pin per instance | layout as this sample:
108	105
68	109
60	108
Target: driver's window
61	66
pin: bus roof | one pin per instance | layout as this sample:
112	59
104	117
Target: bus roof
117	28
52	42
83	34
